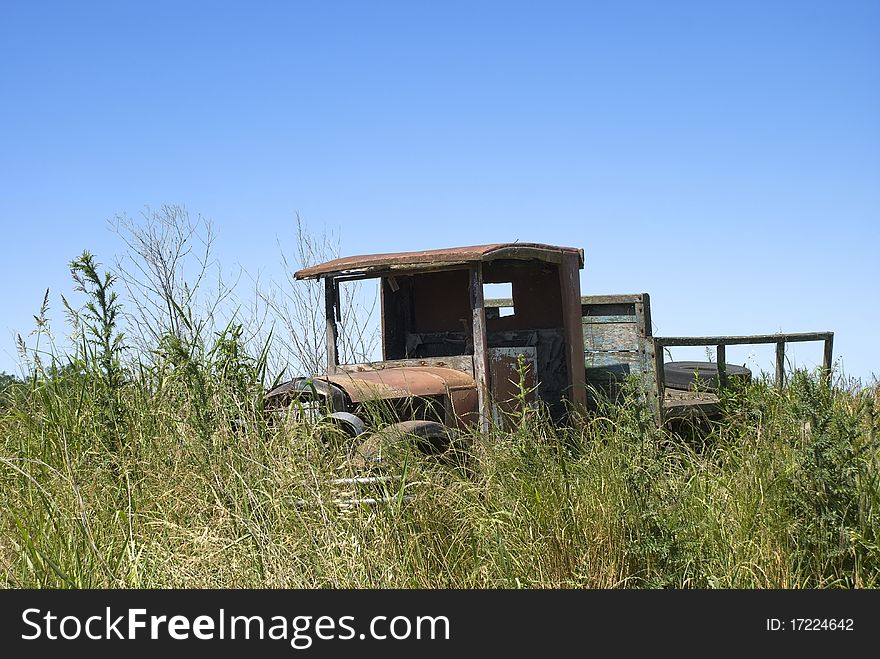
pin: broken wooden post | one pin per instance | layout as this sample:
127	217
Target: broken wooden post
780	364
330	288
721	363
826	359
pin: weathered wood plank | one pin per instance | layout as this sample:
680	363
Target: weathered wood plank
481	352
687	404
740	340
570	284
628	298
649	378
596	359
643	310
682	397
611	336
609	309
602	320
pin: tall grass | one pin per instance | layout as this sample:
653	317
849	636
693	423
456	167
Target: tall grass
784	493
157	467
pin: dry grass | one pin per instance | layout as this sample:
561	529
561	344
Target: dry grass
609	503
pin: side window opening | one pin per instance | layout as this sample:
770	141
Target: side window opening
499	300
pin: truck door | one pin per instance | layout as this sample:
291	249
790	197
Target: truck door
512	381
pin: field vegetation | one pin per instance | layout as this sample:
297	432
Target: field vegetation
136	453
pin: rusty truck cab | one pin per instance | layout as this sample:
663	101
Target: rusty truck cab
434	321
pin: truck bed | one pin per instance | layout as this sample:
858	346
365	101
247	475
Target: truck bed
618	343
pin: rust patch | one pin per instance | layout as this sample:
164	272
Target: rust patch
463	407
363	264
401	382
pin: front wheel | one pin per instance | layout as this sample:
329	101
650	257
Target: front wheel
429	437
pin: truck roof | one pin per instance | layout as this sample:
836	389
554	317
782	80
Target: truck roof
433	258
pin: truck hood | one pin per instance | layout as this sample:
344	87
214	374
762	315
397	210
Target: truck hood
399	382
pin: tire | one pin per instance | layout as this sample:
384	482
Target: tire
429	437
702	376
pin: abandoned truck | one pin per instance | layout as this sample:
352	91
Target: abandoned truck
452	358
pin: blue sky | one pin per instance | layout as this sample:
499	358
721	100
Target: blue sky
722	156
